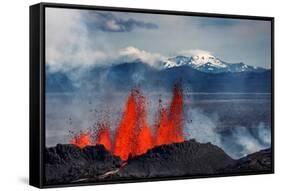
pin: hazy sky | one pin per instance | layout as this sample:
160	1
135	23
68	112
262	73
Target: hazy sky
86	37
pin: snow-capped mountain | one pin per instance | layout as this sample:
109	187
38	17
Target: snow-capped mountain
210	64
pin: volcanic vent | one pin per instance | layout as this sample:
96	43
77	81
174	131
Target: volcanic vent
134	135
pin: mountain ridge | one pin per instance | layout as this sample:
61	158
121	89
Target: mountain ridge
209	64
125	76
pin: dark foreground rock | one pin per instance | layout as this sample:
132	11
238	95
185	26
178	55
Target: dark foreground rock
256	162
69	164
178	159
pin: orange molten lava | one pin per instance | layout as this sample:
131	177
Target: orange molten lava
144	141
82	140
125	132
170	126
103	137
176	116
163	127
133	136
143	136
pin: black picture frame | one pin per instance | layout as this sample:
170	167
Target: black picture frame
37	89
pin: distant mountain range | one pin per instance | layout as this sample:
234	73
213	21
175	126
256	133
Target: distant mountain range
209	64
196	74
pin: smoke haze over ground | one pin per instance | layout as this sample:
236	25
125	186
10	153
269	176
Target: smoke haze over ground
237	141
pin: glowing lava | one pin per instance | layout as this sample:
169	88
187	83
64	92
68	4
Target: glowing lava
134	136
103	137
82	140
125	132
170	126
143	136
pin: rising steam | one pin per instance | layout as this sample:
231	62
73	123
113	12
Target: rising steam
236	142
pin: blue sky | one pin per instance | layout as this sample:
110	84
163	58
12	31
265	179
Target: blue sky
84	37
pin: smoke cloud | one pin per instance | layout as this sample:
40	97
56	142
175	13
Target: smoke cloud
237	142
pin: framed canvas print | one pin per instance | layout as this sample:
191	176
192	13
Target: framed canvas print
128	95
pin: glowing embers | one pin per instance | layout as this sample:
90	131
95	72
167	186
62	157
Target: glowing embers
133	135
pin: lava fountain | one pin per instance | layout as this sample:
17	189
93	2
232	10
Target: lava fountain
134	136
82	140
103	137
170	125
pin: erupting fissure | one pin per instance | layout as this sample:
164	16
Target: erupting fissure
170	126
134	136
82	140
103	137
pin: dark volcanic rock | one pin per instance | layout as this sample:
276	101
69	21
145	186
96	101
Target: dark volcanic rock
67	163
187	158
256	162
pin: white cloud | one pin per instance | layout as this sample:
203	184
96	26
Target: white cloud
112	25
68	44
131	53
